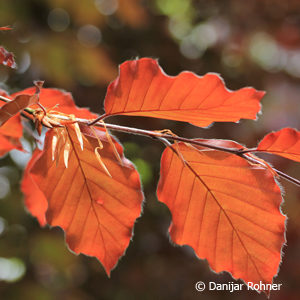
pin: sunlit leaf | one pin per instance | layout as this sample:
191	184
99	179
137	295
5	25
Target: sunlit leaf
20	102
59	101
35	200
226	209
285	142
96	211
10	132
5	28
143	89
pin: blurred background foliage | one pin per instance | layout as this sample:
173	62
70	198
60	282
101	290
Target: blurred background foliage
77	46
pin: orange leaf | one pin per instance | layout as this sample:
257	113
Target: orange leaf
7	144
5	28
13	127
226	209
143	89
96	211
7	58
285	142
49	98
10	109
35	200
10	132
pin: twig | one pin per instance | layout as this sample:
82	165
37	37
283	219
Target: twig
280	173
163	137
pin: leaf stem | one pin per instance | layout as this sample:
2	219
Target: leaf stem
163	137
102	117
166	137
280	173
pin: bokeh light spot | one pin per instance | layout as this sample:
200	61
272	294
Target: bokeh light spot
58	19
89	35
4	186
107	7
19	157
11	269
2	225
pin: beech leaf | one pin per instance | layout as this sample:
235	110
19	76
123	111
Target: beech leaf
59	101
5	28
20	102
226	209
97	212
10	132
143	89
8	143
285	142
35	200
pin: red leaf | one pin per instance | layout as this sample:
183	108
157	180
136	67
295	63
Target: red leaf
49	98
7	144
5	28
10	132
20	102
285	142
143	89
7	58
96	211
35	200
226	209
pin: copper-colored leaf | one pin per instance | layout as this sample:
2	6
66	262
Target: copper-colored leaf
226	209
7	144
143	89
285	142
13	127
10	132
60	101
10	109
96	211
7	58
35	200
5	28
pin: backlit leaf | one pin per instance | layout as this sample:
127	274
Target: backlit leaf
60	101
35	200
143	89
97	212
226	209
5	28
7	144
21	101
10	132
285	142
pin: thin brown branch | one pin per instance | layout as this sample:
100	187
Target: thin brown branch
280	173
163	137
102	117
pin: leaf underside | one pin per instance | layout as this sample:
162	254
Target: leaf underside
60	101
10	132
35	200
143	89
226	209
97	212
285	143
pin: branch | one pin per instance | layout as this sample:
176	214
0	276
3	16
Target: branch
166	137
163	137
